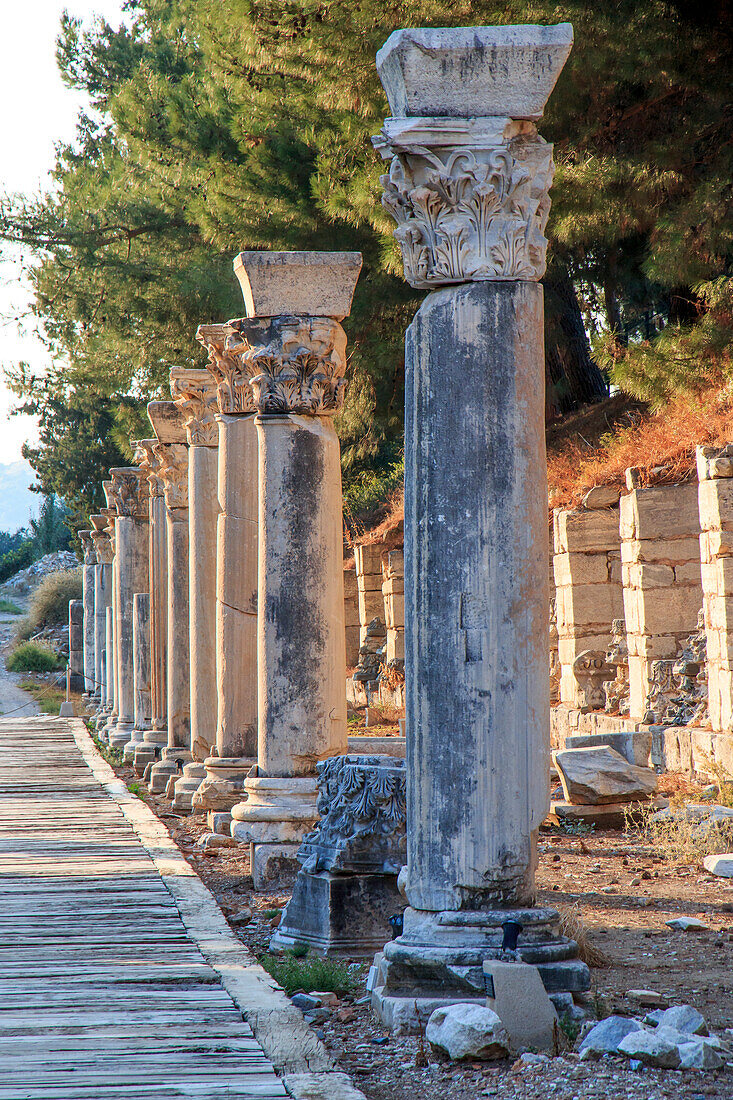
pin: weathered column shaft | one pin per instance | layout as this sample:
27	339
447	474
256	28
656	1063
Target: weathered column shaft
102	600
76	644
109	658
141	658
88	570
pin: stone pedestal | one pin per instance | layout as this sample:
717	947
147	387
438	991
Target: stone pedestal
76	645
88	570
130	491
102	600
141	672
236	573
174	473
470	195
296	366
346	890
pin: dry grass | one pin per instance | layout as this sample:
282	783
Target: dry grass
661	445
390	531
573	926
677	839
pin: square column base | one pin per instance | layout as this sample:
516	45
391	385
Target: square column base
145	754
271	862
170	764
185	788
339	914
222	785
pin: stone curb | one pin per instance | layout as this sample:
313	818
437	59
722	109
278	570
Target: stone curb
308	1072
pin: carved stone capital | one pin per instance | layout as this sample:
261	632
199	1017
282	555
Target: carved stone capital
231	373
195	393
470	198
130	491
85	538
362	806
102	547
173	471
295	364
149	464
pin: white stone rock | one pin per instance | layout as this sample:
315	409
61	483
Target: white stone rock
215	840
605	1037
686	924
602	496
721	865
460	72
599	775
699	1055
684	1018
522	1004
313	284
467	1031
651	1048
647	997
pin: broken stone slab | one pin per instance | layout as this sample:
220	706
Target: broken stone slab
699	1055
522	1004
468	1031
598	775
605	1037
462	72
647	998
721	865
687	924
613	815
651	1048
684	1018
602	496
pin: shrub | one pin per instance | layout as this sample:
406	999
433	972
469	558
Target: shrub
7	607
50	601
308	973
32	657
15	560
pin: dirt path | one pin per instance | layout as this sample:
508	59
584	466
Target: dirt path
14	702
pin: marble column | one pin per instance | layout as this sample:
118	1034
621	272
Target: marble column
194	392
102	600
173	472
141	663
76	645
155	738
297	360
88	569
108	723
236	573
468	185
131	495
109	660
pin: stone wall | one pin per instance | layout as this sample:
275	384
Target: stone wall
715	499
393	593
351	618
369	586
588	596
660	554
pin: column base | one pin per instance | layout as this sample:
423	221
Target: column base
145	754
277	811
185	788
223	785
157	737
270	863
438	960
120	735
128	752
170	764
339	915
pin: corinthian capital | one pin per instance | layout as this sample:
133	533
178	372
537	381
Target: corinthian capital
149	464
195	393
85	538
130	490
469	176
102	546
173	471
295	364
230	372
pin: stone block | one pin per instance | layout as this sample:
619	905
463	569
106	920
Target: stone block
371	606
352	646
666	551
660	512
573	569
395	644
393	586
339	914
652	647
394	609
395	565
634	745
610	815
688	573
271	863
368	559
670	611
521	1002
715	501
586	531
602	496
597	775
317	284
350	587
589	603
467	1031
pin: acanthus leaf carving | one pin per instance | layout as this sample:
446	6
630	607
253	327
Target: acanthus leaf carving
149	464
173	472
130	491
195	393
102	547
87	545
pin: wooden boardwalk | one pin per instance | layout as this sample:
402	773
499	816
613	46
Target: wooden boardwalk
102	993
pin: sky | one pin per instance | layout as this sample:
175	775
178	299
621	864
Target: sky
38	111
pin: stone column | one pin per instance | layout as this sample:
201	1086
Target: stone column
156	737
468	186
107	724
76	644
131	496
109	660
236	573
297	360
88	568
141	663
194	392
102	600
173	471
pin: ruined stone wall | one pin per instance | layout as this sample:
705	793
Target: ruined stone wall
660	554
393	593
369	586
351	617
588	596
715	501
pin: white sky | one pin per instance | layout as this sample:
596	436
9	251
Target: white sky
37	111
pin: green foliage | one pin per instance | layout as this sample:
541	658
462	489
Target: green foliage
15	560
10	541
49	531
49	699
7	607
308	973
50	601
33	657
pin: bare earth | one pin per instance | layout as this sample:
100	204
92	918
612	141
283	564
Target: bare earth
628	924
13	701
